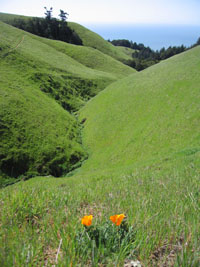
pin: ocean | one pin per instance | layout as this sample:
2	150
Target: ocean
154	36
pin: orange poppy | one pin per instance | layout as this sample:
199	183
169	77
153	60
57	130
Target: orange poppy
117	219
87	220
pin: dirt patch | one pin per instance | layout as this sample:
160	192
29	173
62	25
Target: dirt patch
165	255
50	256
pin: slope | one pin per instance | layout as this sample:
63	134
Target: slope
94	40
37	134
149	116
143	137
88	56
128	51
35	74
92	58
88	37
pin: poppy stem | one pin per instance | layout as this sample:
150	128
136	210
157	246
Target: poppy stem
88	235
93	248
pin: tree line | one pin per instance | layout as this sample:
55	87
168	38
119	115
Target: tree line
49	27
143	57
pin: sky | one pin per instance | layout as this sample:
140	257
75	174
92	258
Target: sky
184	12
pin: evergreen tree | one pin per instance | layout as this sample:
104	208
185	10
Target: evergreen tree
198	41
63	15
48	13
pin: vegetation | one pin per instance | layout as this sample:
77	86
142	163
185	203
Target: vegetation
93	58
143	57
37	135
87	37
95	41
149	144
48	27
127	43
161	203
141	137
152	114
35	138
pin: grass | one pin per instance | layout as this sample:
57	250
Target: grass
8	18
128	51
89	38
142	137
94	40
37	134
38	213
39	68
148	116
93	58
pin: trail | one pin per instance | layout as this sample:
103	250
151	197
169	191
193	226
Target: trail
20	42
14	48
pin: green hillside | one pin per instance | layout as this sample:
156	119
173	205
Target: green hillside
37	134
128	51
132	149
148	116
89	38
39	66
86	55
94	40
8	18
92	58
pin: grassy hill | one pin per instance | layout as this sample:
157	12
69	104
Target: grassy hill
86	55
142	138
37	66
89	38
152	115
128	51
142	135
37	134
94	40
8	18
92	58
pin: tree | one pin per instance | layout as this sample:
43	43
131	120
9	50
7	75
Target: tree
63	15
198	41
48	13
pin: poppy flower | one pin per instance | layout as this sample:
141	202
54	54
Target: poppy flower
87	220
117	219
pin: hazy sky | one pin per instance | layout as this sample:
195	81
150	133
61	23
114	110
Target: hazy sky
112	11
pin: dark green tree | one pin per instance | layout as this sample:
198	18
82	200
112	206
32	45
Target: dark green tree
48	13
198	41
63	15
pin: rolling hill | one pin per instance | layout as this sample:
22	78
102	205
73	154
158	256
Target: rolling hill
89	38
141	137
37	66
94	40
152	115
92	58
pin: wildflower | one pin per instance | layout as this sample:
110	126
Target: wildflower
87	220
117	219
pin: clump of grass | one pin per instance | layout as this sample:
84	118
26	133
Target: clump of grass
101	241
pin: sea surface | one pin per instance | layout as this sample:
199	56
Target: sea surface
154	36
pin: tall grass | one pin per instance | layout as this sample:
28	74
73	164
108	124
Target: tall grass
161	204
